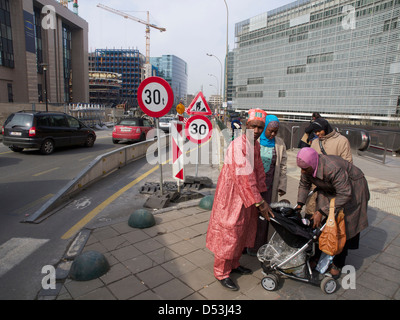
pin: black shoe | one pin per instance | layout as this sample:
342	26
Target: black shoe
229	284
242	270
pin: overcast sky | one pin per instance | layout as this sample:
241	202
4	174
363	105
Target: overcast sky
194	28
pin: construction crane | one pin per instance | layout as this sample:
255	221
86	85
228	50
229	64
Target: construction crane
148	25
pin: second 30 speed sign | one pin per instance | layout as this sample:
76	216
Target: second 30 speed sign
198	129
155	97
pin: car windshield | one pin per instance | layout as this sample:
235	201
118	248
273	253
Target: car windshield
20	119
165	119
129	122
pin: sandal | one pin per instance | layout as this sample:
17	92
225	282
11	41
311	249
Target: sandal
336	272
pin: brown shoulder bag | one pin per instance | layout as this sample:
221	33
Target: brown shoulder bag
333	236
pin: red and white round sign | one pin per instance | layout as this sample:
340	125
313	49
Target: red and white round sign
155	97
198	129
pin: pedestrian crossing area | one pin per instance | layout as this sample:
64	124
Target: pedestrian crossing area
15	250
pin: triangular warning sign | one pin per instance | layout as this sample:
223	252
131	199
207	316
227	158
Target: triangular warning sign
176	152
199	106
180	175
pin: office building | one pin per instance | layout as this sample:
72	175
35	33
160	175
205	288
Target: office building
339	58
174	70
43	53
127	62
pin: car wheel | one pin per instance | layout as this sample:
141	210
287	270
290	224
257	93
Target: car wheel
115	141
16	149
89	141
47	146
142	137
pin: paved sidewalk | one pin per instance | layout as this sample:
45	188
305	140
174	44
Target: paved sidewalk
169	261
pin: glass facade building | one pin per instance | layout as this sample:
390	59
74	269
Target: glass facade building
174	70
127	62
329	56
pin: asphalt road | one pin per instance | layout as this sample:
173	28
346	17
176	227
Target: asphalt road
28	180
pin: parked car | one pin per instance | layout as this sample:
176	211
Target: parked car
165	123
45	131
131	129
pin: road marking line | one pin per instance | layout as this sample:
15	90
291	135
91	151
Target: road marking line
86	219
7	152
44	172
17	249
82	159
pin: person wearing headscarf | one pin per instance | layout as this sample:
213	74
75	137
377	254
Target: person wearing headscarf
238	202
335	177
330	142
274	158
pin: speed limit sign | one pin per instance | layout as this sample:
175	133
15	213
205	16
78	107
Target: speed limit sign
198	129
155	97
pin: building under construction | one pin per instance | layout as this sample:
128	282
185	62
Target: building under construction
104	88
126	62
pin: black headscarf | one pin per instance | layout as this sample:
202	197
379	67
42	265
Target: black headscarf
321	124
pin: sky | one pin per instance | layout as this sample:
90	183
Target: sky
194	28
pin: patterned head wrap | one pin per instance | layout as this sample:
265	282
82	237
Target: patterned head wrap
257	114
308	157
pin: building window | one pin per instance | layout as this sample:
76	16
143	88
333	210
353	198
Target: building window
38	40
296	69
10	92
259	80
67	56
6	42
282	93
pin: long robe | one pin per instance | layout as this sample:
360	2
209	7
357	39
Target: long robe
346	182
233	221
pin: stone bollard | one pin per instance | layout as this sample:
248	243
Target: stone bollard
88	266
207	202
141	219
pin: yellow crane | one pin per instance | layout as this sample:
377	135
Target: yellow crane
148	25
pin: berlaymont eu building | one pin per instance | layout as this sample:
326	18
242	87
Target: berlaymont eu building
339	58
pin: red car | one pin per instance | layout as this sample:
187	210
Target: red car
131	129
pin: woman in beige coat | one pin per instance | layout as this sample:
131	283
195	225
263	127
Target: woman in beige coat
274	158
329	142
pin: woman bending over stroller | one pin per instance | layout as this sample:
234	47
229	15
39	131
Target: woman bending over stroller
335	177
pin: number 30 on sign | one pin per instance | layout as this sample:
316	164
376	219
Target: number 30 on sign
198	129
155	97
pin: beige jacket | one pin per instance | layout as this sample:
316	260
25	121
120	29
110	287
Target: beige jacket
334	144
280	178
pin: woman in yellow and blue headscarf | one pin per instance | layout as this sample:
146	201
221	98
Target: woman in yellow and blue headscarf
274	158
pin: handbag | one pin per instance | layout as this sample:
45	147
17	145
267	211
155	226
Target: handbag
333	236
322	148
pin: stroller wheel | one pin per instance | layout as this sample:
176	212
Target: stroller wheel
328	285
270	282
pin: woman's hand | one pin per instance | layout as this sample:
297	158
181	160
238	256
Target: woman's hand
266	210
316	218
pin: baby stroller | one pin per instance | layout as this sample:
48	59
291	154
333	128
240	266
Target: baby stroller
289	250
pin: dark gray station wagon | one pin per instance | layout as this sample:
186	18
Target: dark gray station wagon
45	131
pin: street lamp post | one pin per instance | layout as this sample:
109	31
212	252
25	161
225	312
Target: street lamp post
226	56
211	55
44	66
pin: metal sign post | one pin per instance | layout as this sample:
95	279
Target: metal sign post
159	154
155	98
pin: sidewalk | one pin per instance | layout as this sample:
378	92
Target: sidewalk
169	261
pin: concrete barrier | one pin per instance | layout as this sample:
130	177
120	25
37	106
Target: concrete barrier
97	169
